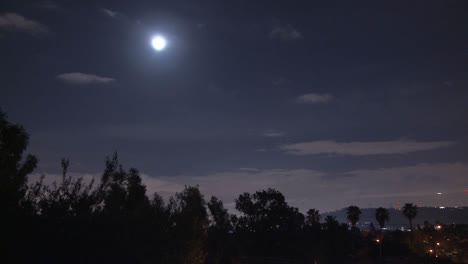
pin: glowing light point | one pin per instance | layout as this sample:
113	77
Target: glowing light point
159	43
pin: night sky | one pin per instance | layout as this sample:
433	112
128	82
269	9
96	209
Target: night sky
333	103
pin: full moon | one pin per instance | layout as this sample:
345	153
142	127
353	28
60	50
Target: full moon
159	43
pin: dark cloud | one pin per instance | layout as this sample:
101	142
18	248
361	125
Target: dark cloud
363	148
84	78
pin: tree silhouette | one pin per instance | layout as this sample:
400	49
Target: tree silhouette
335	241
221	219
353	213
331	223
267	211
381	215
190	225
137	202
219	232
267	224
313	217
68	198
14	167
410	211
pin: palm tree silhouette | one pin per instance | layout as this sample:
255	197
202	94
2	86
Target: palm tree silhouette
381	215
331	223
410	211
353	214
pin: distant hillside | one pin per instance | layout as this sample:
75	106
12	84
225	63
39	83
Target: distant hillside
447	215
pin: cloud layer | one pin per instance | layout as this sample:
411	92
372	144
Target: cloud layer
84	78
313	98
16	22
362	148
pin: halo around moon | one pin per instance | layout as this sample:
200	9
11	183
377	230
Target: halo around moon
159	43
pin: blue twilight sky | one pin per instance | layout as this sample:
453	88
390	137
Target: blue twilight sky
331	102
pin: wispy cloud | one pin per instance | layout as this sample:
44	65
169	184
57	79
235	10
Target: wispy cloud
16	22
273	133
313	98
110	13
286	33
363	148
84	78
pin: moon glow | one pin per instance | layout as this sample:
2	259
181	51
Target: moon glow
159	43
